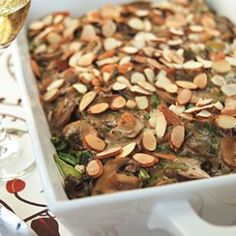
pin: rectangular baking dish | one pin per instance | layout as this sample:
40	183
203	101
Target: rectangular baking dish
137	212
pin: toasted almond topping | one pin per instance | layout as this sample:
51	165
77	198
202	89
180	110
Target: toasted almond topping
125	60
140	90
170	88
219	106
54	38
109	60
87	99
150	75
200	80
130	50
109	28
231	60
170	116
205	63
142	102
117	103
94	169
218	80
229	89
221	66
131	104
192	65
55	84
204	114
167	156
98	108
186	84
36	25
184	96
177	136
94	142
154	63
178	32
161	125
137	77
196	28
162	81
145	160
196	109
203	102
149	141
226	121
111	43
123	80
88	33
175	42
136	23
141	12
80	88
51	95
186	116
146	86
177	109
117	86
109	153
86	60
127	150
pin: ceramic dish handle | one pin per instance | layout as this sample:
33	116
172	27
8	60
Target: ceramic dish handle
179	219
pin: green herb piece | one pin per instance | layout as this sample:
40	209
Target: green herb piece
68	158
83	157
143	174
66	169
59	144
155	101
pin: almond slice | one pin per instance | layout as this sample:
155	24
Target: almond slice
167	156
109	153
186	84
137	77
192	65
94	142
161	125
117	103
196	28
111	43
80	88
196	109
204	114
218	80
231	60
221	66
109	28
170	116
184	96
176	109
226	121
121	79
203	102
145	160
86	60
55	84
136	23
150	75
229	89
177	136
170	88
219	106
178	32
127	150
149	141
146	86
94	169
129	50
131	104
51	95
117	86
98	108
140	90
230	107
87	100
200	80
142	102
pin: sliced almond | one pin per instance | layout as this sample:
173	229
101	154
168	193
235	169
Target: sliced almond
170	116
149	141
86	60
146	86
229	89
231	60
117	86
125	60
127	150
117	103
196	28
111	43
140	90
186	116
155	64
94	142
167	156
170	88
177	136
230	107
184	96
98	108
221	66
203	102
145	160
142	102
161	125
219	106
136	23
131	104
87	99
175	31
150	75
55	84
109	153
204	114
177	109
109	28
196	109
123	80
88	33
192	65
80	88
186	84
51	95
137	77
162	81
109	60
200	80
129	50
94	169
226	121
218	80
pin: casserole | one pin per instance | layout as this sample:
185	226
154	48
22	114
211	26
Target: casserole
144	199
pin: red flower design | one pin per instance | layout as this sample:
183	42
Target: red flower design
15	185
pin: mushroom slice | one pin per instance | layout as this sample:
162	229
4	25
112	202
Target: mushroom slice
112	181
228	151
193	171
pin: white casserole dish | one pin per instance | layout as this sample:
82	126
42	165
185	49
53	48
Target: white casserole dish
137	212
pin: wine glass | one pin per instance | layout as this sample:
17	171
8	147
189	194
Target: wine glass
15	157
